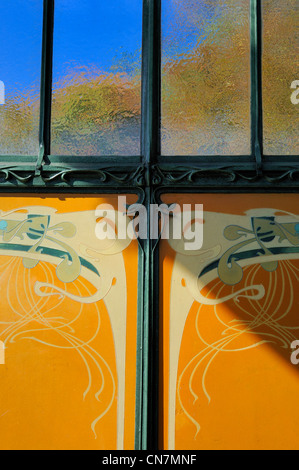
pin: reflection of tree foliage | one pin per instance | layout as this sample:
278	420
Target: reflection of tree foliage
205	90
207	87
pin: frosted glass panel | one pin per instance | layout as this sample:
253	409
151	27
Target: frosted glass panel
97	77
20	68
280	76
205	77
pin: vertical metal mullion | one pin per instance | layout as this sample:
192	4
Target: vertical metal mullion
46	83
151	80
150	148
256	83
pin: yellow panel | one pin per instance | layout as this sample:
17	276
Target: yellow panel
68	321
230	314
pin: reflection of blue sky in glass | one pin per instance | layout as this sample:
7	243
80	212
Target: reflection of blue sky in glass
20	44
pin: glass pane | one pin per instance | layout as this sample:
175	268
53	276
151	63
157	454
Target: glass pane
280	77
97	76
206	77
20	66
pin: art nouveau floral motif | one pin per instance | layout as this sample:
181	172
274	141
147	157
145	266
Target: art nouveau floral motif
247	266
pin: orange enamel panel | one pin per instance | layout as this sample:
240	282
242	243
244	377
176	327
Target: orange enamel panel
68	320
229	318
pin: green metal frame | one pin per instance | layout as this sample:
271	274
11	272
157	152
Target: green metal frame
149	176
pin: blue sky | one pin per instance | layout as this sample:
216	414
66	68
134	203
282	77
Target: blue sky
20	29
87	32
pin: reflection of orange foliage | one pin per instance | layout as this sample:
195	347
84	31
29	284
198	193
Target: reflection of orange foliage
206	89
97	97
19	122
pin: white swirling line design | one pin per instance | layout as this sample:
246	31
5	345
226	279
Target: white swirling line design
283	333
